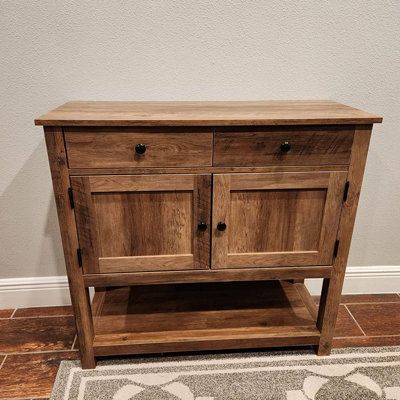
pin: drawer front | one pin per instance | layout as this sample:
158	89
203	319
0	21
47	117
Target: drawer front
283	146
114	148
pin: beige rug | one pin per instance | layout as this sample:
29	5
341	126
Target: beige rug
348	374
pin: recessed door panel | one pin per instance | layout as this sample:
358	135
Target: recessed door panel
276	220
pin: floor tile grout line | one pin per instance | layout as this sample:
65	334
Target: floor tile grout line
349	337
2	363
21	353
43	316
371	302
352	316
368	337
73	343
378	336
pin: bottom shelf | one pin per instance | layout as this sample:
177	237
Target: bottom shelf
206	316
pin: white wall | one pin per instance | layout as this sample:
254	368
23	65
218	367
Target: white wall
54	51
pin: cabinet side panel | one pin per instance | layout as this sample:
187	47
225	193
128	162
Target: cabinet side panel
79	294
332	288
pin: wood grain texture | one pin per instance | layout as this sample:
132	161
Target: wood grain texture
86	223
145	263
107	148
34	334
332	287
345	325
172	315
32	312
330	220
201	213
98	301
184	307
220	213
276	181
369	298
260	219
66	218
140	183
195	113
111	345
294	225
142	222
201	170
377	318
260	147
306	298
213	275
6	313
28	376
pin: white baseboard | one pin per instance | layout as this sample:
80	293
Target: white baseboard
53	290
34	292
365	280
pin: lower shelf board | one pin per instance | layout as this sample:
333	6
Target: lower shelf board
191	317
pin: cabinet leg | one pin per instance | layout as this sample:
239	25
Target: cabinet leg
328	311
88	362
84	326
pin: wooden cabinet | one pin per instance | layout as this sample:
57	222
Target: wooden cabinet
197	222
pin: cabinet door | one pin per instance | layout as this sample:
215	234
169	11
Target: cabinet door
275	219
132	223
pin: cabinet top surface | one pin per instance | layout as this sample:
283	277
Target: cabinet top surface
204	113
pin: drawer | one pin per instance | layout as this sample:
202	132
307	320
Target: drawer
283	146
133	147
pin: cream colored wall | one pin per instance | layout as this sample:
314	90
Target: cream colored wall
54	51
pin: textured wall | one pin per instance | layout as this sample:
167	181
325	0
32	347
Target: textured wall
54	51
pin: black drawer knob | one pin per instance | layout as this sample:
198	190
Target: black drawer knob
140	148
285	147
202	226
221	226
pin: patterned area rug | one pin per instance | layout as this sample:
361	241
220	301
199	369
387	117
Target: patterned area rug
348	374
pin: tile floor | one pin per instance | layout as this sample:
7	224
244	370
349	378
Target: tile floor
33	341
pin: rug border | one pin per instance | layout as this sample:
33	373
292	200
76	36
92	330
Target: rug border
149	361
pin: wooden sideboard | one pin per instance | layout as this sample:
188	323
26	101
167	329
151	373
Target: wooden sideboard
197	222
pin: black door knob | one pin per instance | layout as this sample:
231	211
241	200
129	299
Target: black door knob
285	147
221	226
140	148
202	226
